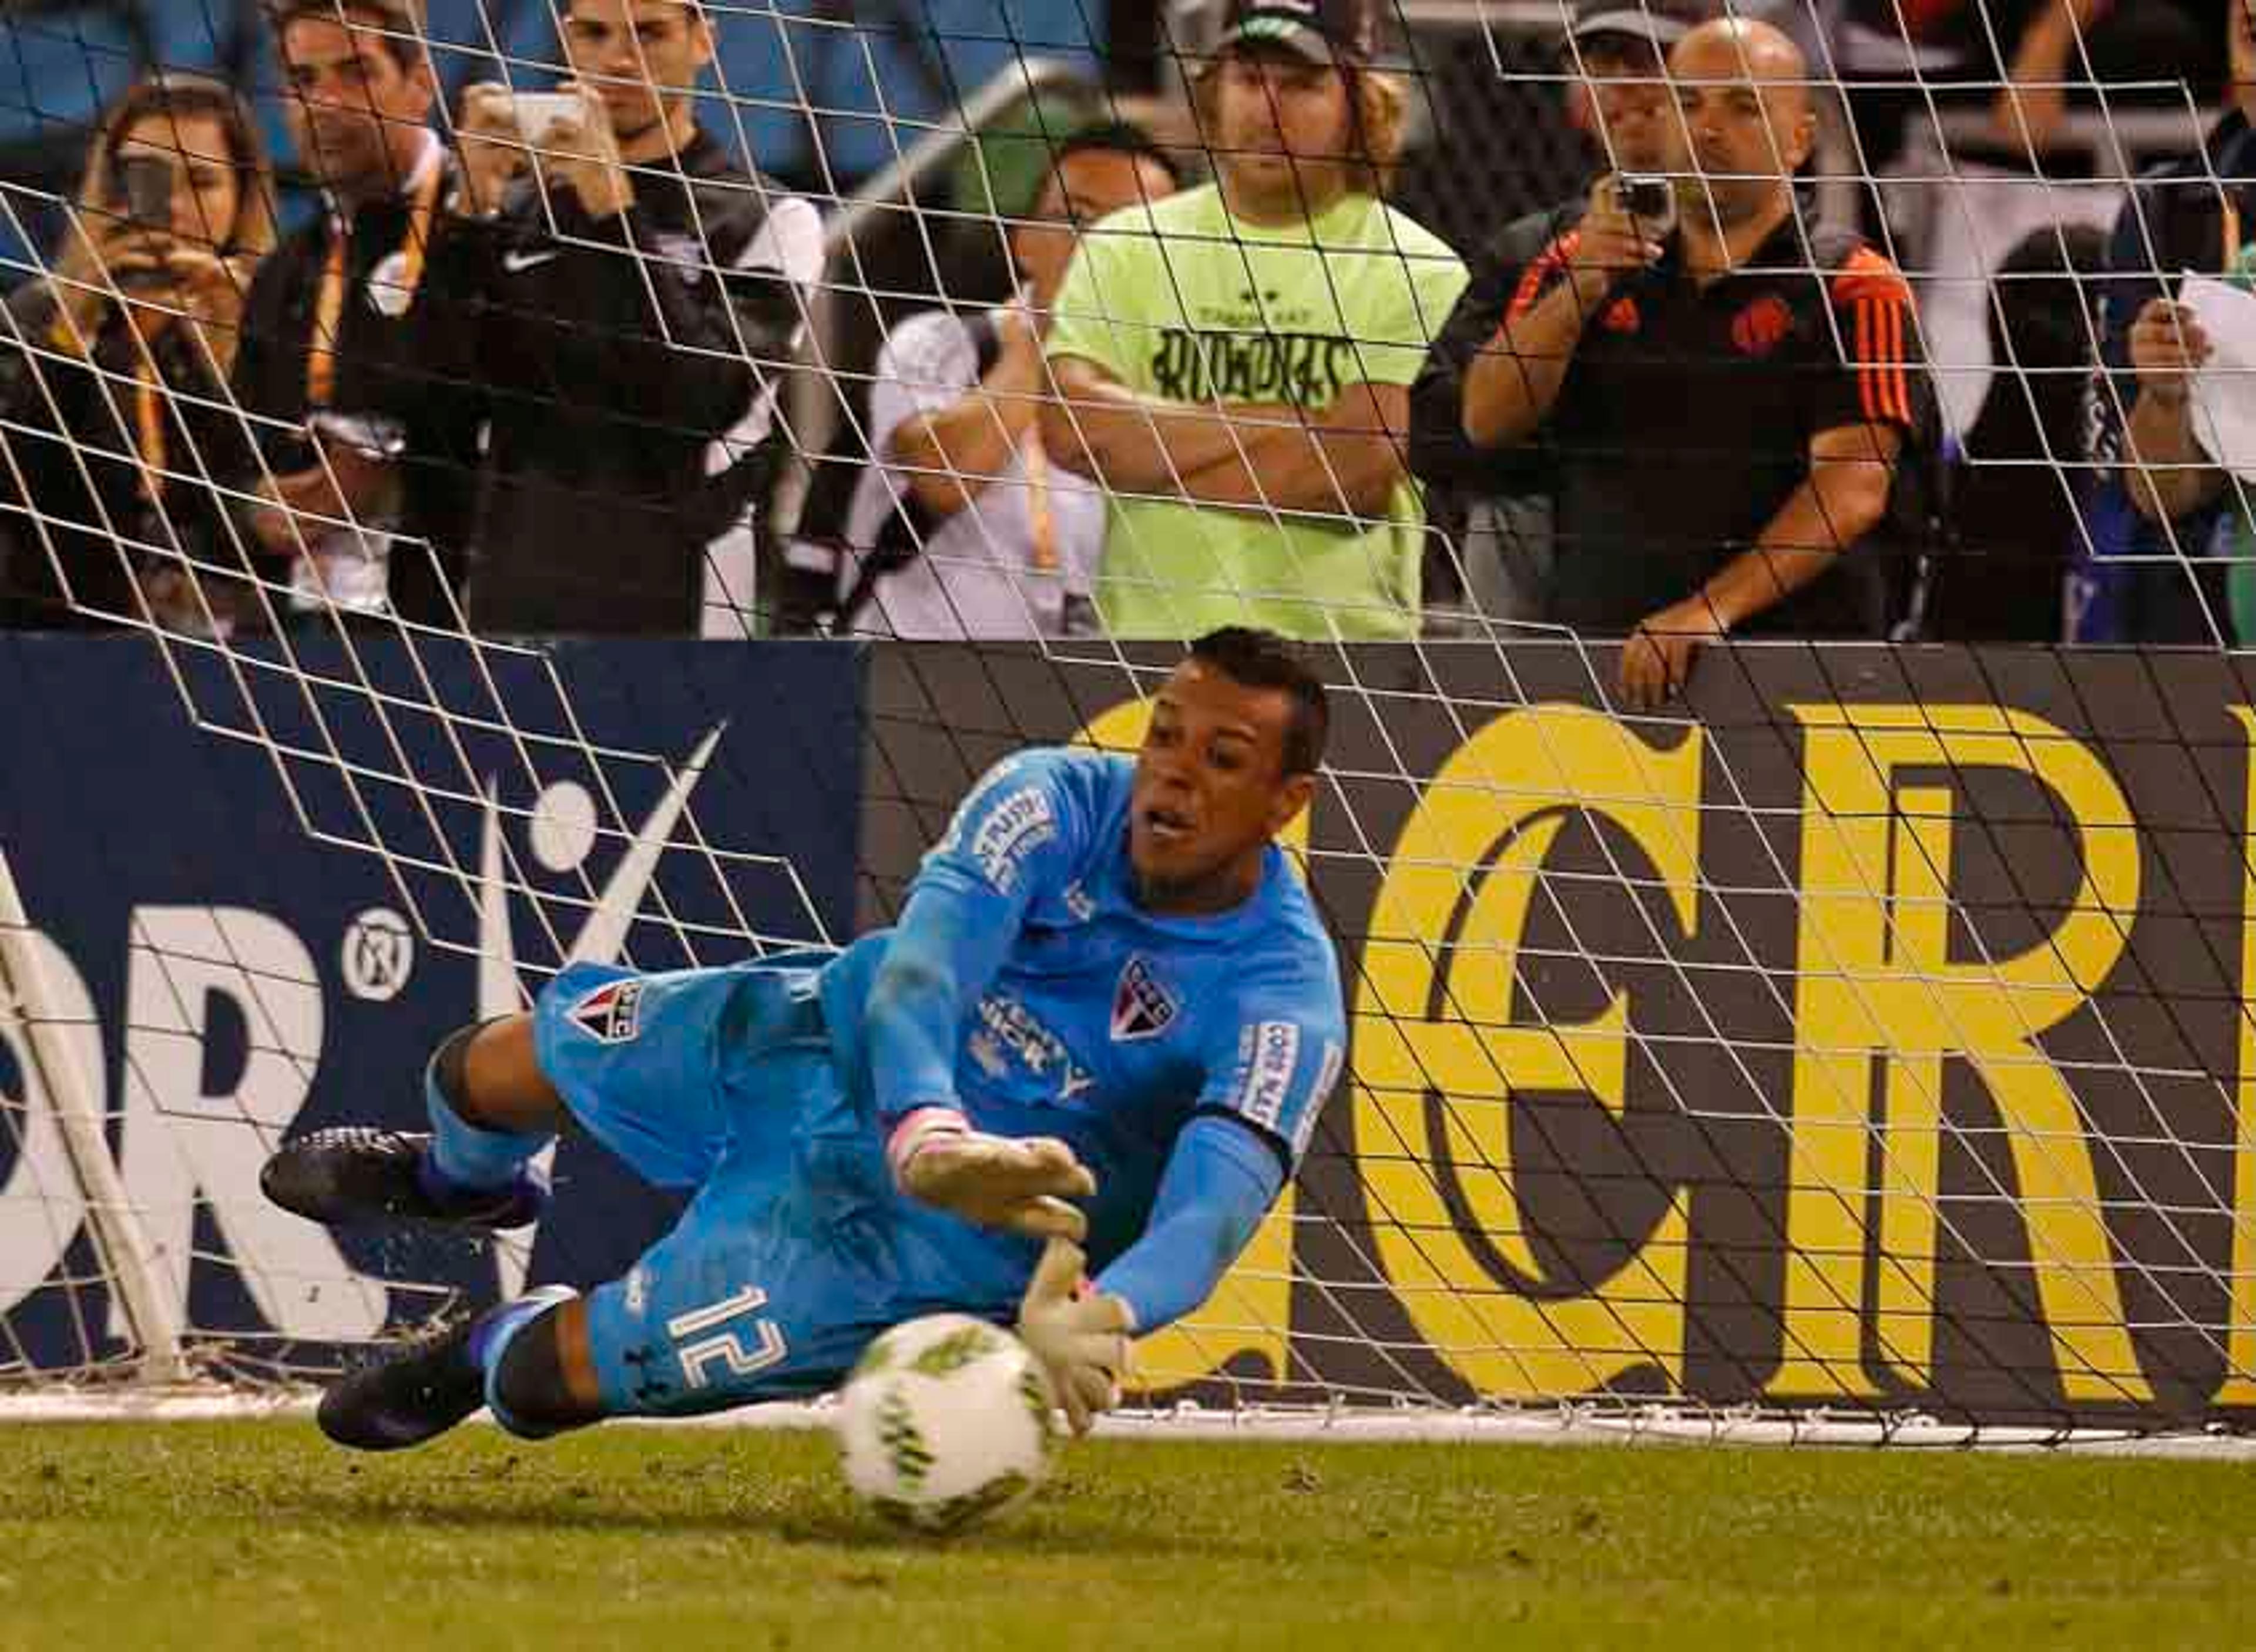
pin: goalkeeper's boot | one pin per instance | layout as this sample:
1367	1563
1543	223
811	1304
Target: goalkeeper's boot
416	1395
436	1377
356	1173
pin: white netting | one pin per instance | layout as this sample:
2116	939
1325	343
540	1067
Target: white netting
1859	1036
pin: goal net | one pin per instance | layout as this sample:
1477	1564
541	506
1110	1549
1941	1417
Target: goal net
1856	1040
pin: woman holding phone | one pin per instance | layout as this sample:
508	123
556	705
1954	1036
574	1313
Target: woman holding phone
114	367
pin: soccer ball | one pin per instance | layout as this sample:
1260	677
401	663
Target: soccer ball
946	1421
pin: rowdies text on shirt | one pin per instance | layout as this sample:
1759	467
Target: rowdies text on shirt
1229	364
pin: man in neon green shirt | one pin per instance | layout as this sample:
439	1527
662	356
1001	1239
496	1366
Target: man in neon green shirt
1233	363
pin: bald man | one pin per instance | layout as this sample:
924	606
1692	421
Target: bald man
1727	401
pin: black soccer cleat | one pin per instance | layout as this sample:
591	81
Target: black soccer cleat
356	1173
416	1395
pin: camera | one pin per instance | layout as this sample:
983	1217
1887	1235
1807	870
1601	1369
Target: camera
1651	201
539	114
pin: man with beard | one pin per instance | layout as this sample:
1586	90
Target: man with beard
326	321
1725	406
1233	363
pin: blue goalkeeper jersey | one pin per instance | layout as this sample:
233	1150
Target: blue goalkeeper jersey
1042	1000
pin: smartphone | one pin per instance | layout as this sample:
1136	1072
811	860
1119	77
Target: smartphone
144	182
539	114
144	186
1651	201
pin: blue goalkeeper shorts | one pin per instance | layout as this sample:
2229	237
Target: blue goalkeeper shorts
795	1250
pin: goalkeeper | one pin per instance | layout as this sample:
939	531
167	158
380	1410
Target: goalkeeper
1108	1018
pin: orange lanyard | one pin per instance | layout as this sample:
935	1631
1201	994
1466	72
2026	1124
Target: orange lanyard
148	407
2231	226
1044	520
329	303
148	422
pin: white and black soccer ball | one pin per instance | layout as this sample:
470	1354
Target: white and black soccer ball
946	1421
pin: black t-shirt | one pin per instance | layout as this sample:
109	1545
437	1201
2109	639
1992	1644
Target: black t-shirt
1685	422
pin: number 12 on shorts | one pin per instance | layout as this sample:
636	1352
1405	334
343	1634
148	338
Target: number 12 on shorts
725	1347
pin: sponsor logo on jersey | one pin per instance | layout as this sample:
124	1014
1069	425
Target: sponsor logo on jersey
1012	1027
1762	326
1141	1007
1304	1128
1015	828
610	1014
1267	1053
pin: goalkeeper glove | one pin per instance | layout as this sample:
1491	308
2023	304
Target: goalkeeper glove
1080	1335
1005	1181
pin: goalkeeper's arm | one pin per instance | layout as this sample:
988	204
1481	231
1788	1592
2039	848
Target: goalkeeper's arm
970	902
1221	1180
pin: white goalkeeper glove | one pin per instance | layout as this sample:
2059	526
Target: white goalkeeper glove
1080	1335
1021	1184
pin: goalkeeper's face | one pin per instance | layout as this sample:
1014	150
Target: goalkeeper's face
1211	789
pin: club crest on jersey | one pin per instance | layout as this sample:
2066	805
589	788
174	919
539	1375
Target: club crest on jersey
610	1014
1141	1007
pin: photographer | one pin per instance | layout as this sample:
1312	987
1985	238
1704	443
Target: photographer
615	301
1723	401
1619	98
114	383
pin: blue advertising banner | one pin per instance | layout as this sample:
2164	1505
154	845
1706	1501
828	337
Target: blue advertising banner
263	885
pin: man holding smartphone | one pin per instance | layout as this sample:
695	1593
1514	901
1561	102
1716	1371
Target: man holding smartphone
1726	404
619	299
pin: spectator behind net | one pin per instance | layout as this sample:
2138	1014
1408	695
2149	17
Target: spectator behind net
1620	100
113	376
970	530
324	326
1234	362
2144	577
614	319
1725	407
2013	490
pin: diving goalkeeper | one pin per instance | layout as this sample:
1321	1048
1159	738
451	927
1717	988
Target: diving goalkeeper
1108	1018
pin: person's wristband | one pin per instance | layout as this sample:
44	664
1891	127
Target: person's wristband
918	1128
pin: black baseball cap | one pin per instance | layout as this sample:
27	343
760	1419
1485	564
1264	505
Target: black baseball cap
1659	27
1320	31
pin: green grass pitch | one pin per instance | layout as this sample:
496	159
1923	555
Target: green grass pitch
259	1535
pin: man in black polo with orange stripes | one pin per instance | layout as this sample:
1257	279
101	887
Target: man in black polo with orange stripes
1725	404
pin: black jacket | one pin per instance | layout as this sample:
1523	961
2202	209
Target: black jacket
372	379
81	515
602	360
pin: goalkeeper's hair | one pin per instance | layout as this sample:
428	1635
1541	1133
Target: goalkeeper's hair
1256	659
